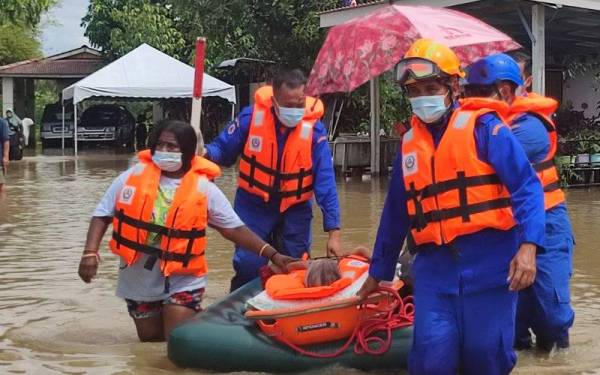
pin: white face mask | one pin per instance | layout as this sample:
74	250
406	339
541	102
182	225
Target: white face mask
167	161
290	117
429	109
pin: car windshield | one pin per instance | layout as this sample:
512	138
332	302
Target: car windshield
101	117
54	114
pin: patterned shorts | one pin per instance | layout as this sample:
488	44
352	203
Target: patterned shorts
143	309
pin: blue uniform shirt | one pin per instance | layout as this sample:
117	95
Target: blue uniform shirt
228	146
480	260
533	136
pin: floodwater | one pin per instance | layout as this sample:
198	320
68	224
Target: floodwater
51	322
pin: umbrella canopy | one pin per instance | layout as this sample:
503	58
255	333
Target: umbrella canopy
363	48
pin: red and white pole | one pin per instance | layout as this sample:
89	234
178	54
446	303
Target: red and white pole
197	93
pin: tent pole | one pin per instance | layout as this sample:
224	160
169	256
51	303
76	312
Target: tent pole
232	111
75	127
63	128
375	140
538	48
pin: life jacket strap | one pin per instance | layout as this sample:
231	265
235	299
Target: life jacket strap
542	166
453	184
553	186
461	211
151	250
158	229
276	175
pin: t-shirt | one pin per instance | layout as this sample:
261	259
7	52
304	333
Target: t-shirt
4	136
139	284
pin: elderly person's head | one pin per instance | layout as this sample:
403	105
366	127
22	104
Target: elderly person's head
322	272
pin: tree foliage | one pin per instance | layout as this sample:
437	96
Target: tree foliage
19	20
17	43
24	12
286	31
118	26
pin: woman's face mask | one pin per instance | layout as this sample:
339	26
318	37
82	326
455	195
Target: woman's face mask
429	109
167	161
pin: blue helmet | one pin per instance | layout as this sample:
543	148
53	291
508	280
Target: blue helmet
493	68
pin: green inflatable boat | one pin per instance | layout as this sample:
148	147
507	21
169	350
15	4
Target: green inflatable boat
222	339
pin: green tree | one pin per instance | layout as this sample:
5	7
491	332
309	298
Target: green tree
286	31
24	12
17	43
118	26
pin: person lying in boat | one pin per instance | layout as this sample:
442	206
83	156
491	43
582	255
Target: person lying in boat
317	278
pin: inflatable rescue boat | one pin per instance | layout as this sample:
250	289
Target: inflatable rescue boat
242	333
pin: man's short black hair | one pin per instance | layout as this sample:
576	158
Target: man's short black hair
292	78
522	57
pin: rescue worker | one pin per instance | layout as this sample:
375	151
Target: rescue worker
160	209
454	196
545	306
285	160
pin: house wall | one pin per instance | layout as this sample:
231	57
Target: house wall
583	92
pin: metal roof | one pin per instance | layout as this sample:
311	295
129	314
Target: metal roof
585	4
570	31
76	63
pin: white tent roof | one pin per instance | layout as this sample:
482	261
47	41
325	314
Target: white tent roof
146	72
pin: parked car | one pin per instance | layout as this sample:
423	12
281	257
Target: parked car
51	130
107	123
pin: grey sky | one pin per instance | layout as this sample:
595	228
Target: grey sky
60	27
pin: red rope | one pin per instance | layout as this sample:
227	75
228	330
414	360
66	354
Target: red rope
398	313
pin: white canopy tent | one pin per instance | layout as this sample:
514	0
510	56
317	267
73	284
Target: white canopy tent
144	73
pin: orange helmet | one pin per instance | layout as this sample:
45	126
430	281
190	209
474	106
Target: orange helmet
425	59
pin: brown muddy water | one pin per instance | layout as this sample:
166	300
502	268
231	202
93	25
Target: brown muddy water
51	322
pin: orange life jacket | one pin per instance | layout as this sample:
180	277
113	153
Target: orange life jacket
258	163
183	237
291	286
450	192
543	108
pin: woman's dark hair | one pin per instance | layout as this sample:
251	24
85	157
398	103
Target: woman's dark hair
184	134
292	78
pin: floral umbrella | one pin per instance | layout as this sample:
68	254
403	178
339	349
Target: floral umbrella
363	48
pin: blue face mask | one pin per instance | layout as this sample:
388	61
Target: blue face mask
290	117
429	109
167	161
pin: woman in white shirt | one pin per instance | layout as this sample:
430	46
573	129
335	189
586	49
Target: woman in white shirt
162	272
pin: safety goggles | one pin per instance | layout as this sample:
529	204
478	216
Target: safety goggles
416	68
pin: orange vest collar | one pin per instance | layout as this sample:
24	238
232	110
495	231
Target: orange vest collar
534	103
474	104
